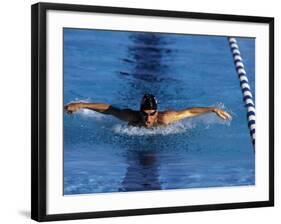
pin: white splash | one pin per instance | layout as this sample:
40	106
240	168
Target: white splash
91	114
175	128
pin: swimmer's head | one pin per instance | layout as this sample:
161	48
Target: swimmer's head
148	102
148	109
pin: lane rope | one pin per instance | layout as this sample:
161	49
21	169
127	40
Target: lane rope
245	87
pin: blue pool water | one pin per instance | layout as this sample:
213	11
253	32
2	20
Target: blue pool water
103	154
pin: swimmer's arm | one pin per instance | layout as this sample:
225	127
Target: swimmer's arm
122	114
172	116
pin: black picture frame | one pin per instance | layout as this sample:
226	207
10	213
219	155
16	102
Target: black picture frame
39	114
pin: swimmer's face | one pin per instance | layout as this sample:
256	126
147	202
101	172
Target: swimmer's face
149	117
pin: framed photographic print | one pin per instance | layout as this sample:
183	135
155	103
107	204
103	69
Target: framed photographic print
138	111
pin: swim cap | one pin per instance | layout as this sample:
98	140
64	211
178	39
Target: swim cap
148	102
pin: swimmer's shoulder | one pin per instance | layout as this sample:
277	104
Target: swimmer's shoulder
165	117
134	115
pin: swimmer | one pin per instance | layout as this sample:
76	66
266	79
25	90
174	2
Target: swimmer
148	115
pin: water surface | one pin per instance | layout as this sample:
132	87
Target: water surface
103	154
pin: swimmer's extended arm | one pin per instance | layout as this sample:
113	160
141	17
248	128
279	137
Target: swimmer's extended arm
122	114
172	116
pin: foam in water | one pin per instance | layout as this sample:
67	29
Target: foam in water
91	114
175	128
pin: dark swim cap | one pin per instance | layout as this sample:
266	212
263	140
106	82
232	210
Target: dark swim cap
148	102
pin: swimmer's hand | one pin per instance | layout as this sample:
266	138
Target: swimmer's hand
72	107
222	114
